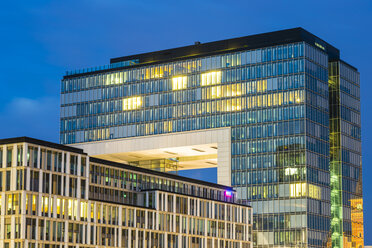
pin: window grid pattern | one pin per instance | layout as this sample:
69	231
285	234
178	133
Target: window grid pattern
42	211
275	100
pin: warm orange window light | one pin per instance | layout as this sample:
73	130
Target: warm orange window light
132	103
179	83
33	202
357	222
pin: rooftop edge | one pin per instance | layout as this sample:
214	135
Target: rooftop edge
218	47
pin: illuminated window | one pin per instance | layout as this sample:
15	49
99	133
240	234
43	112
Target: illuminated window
210	78
299	96
290	171
216	92
132	103
223	91
10	199
58	206
261	85
315	192
92	211
83	210
236	106
236	90
51	206
304	189
33	203
114	78
70	206
231	105
46	201
179	83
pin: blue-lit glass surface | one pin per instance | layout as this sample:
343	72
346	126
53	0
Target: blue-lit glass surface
274	99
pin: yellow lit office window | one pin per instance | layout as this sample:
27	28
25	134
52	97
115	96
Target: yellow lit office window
238	105
261	85
259	101
99	135
63	206
83	210
265	192
99	212
161	71
75	209
291	171
298	189
70	206
315	192
280	98
208	107
275	99
46	201
298	95
236	90
254	101
179	83
113	78
10	200
51	206
58	206
227	104
132	103
269	100
33	202
232	105
27	202
216	92
219	108
304	189
92	211
210	78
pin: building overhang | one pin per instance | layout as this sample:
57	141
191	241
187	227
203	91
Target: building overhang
191	150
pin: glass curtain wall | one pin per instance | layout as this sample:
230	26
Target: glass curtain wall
346	168
275	100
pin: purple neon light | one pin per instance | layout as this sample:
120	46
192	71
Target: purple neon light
228	193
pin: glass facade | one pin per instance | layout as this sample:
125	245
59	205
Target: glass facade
275	99
52	196
218	91
346	169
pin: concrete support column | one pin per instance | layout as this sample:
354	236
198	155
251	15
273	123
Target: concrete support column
24	155
38	157
4	156
14	156
87	169
129	238
78	190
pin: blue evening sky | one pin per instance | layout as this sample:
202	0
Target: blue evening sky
40	40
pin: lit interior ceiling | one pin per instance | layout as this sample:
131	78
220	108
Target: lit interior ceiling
190	157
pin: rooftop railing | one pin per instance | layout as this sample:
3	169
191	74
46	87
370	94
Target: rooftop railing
103	67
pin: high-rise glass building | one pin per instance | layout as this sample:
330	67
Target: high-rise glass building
278	114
